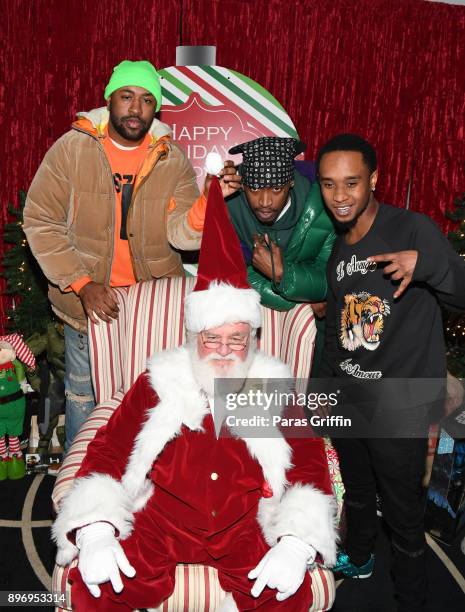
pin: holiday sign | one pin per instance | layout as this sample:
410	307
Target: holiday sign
211	108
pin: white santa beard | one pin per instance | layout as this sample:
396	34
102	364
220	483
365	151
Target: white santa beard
205	372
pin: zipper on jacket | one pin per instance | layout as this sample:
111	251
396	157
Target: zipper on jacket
133	198
102	151
113	214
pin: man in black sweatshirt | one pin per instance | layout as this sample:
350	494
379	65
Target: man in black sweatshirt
387	273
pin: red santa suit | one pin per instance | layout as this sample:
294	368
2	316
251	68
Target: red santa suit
177	494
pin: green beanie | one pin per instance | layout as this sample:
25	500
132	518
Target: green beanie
139	74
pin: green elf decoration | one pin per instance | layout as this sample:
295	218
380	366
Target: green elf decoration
13	385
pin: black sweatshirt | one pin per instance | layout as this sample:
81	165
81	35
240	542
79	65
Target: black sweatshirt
371	335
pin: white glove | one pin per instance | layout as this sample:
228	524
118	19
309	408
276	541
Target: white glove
25	387
283	567
101	557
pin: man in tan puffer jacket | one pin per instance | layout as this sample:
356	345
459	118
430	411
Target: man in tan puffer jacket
109	202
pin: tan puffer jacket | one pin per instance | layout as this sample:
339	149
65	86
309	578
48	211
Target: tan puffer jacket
70	212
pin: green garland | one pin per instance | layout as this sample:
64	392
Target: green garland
454	323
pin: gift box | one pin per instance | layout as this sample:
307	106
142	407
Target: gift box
445	503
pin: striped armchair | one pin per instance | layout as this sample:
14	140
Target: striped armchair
151	320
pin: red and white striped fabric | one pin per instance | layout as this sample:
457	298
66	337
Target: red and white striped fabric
197	589
23	352
151	320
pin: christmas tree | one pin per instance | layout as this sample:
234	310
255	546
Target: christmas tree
454	323
30	314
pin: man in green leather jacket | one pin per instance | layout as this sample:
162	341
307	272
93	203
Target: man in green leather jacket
285	233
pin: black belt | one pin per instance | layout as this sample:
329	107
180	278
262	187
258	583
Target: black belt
6	399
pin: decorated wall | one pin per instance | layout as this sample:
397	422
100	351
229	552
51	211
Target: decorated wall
212	108
390	70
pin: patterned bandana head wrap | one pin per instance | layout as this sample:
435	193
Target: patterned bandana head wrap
268	161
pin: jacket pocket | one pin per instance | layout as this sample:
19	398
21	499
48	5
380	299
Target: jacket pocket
91	216
167	266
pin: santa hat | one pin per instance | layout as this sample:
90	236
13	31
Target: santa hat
23	352
222	293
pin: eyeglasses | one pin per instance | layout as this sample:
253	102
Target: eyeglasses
234	345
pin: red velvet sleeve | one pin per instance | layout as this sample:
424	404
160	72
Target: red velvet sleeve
310	463
109	451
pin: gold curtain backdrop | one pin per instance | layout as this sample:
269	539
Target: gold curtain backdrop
391	70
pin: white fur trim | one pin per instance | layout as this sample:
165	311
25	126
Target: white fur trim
221	304
179	405
267	367
304	512
213	163
274	457
100	497
186	400
187	405
273	454
228	604
97	497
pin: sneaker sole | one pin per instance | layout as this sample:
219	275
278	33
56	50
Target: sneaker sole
342	576
364	576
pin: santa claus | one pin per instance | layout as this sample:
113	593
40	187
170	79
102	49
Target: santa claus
158	487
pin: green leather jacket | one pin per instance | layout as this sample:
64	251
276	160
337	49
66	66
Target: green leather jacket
306	253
